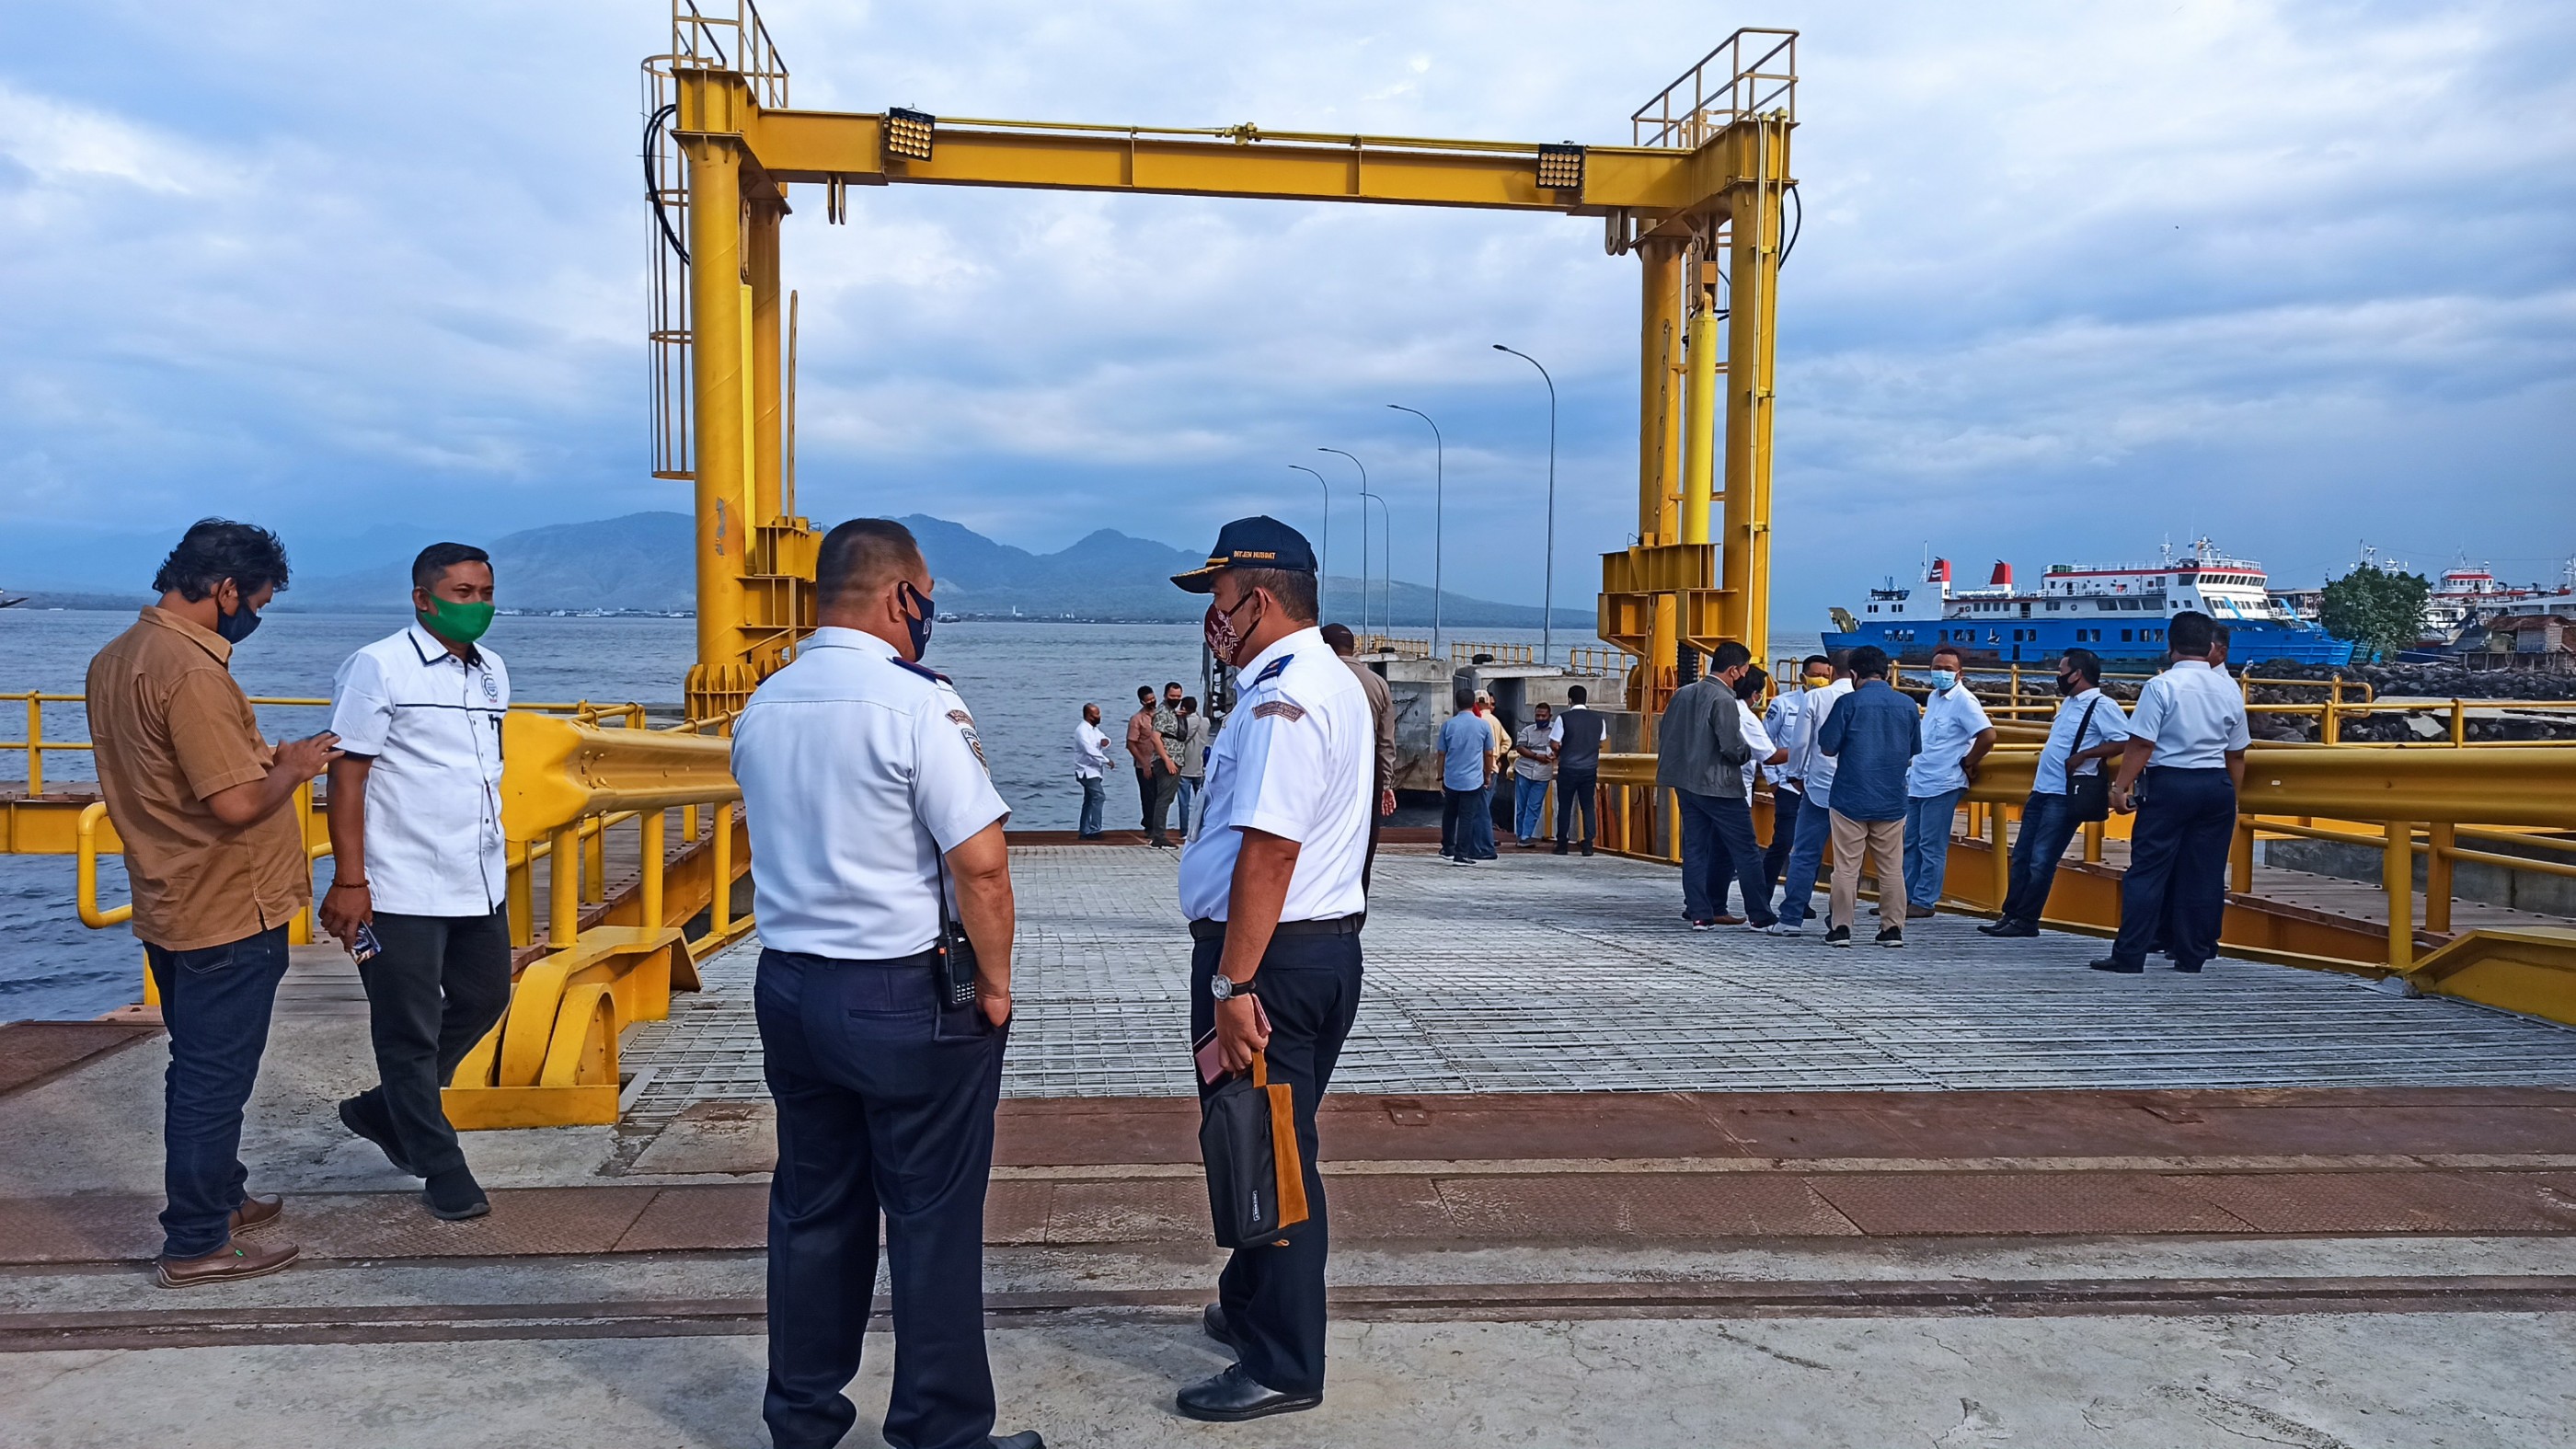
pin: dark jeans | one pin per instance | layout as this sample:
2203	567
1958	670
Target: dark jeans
1155	787
432	993
1274	1294
2177	875
1095	796
2047	824
1717	846
875	1116
1784	829
1806	861
1576	790
215	1002
1467	824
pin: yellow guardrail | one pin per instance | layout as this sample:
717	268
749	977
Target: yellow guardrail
552	1061
1495	653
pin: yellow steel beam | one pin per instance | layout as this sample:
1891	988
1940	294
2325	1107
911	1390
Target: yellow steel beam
1762	159
2527	969
560	771
823	145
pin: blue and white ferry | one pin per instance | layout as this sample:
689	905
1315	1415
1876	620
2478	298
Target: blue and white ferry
2116	610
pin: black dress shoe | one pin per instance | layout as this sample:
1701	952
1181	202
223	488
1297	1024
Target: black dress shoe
1025	1439
2191	968
2109	963
1212	1323
366	1117
1234	1396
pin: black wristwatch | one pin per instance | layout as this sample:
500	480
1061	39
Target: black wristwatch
1226	988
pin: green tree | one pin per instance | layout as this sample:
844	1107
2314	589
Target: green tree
2380	609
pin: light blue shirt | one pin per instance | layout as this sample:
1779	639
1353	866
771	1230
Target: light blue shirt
1463	743
858	772
1296	759
2194	715
2107	724
1952	720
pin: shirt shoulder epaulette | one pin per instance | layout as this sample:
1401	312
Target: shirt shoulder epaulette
1276	668
925	671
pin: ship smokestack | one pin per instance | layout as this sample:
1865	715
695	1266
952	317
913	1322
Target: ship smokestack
2003	575
1940	571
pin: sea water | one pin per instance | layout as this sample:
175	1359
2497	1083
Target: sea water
1025	680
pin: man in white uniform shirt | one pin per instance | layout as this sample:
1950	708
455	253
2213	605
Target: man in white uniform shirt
1090	766
2089	728
1270	882
1956	736
1811	774
874	821
2187	740
417	863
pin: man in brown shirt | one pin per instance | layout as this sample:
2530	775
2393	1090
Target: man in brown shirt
1382	711
217	870
1157	773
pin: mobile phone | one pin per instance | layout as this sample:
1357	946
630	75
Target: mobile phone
364	947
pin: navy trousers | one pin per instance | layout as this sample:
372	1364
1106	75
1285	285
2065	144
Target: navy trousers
1575	793
215	1003
2047	824
875	1116
1274	1294
1718	847
2177	876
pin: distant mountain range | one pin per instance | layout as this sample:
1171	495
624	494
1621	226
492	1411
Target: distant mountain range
642	562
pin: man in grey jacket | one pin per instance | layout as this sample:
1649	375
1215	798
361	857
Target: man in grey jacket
1700	752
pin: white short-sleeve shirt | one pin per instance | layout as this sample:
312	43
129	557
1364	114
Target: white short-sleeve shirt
1807	763
1757	739
859	771
2097	717
1294	759
431	722
1952	720
1781	724
2193	713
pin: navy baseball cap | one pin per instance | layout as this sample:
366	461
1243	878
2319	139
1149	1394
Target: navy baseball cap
1251	543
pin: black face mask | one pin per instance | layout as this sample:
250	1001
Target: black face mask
236	626
918	623
2070	684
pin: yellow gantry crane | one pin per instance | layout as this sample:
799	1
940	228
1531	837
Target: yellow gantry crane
1697	196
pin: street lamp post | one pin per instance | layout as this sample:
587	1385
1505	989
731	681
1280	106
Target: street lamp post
1547	605
1439	468
1390	542
1327	574
1386	562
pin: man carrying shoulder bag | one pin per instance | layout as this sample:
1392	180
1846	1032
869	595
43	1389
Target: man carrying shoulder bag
2067	788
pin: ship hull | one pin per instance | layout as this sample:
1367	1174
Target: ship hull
2032	641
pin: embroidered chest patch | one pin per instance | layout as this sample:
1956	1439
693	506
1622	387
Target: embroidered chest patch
1279	709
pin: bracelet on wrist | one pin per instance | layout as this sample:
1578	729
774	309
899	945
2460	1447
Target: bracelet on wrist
359	884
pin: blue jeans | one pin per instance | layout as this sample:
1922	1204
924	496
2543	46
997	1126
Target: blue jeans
1529	807
2176	883
1806	859
1095	798
1190	787
2047	824
1718	846
1927	843
215	1001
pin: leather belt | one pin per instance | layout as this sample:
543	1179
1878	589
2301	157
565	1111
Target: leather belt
1214	930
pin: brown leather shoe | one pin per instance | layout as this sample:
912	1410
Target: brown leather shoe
1914	912
257	1211
228	1264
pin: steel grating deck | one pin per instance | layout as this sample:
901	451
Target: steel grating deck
1544	974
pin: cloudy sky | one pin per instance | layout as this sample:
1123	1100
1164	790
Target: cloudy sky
2074	279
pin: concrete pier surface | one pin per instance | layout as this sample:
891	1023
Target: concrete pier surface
1596	1179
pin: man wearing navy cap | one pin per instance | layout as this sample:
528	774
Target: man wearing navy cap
1270	881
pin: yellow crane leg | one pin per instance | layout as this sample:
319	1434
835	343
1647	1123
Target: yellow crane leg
1699	448
1744	552
767	430
717	336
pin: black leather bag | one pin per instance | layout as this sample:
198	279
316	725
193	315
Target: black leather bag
1248	1141
2088	797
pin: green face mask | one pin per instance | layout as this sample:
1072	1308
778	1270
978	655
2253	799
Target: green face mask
455	622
